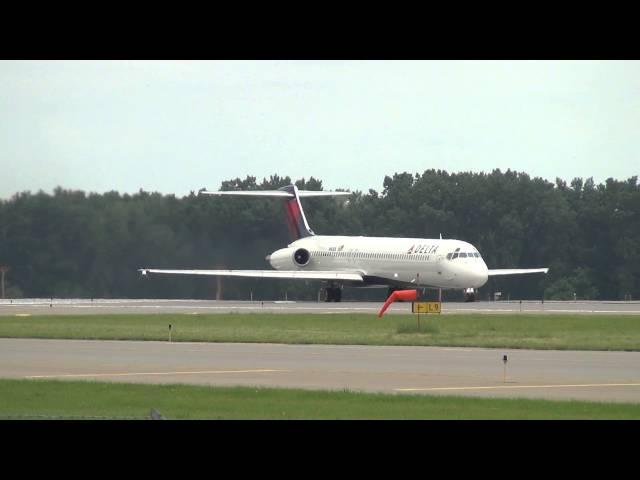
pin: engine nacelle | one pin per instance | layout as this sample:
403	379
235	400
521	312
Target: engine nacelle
289	258
301	257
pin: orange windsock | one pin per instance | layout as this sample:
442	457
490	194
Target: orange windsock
398	295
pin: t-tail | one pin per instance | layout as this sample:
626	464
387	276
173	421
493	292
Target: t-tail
296	221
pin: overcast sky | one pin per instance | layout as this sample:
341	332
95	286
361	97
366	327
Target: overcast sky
177	126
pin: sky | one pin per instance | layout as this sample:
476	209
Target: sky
178	126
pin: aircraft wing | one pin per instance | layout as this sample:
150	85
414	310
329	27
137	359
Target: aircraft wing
291	274
516	271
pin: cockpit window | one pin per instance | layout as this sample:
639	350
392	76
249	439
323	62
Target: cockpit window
456	253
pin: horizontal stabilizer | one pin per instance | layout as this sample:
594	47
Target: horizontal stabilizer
291	274
516	271
320	193
275	193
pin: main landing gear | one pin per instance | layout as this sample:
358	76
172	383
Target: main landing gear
333	294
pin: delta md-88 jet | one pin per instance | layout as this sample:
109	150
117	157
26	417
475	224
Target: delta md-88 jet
397	263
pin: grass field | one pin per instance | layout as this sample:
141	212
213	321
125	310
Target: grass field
22	399
573	332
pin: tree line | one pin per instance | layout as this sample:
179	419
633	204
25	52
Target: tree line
76	244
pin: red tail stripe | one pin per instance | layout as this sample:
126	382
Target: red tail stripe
294	218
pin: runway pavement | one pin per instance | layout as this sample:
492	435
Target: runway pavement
46	306
606	376
600	376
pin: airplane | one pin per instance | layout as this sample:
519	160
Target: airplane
395	263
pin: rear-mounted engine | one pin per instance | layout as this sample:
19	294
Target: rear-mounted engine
301	256
289	258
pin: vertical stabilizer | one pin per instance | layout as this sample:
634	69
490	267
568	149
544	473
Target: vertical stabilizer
296	221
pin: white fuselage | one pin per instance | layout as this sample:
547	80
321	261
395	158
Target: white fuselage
425	262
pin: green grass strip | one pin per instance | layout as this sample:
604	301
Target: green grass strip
572	332
55	399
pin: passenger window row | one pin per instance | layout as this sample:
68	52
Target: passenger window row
381	256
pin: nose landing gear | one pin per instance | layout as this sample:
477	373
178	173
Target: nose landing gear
470	295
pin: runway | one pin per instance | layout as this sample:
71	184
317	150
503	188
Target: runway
477	372
46	306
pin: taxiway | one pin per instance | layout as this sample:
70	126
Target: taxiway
478	372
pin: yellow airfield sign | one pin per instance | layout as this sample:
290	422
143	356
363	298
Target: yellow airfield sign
425	307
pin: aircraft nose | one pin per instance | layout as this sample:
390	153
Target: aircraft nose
484	274
480	275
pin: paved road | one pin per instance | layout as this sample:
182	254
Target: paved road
109	306
600	376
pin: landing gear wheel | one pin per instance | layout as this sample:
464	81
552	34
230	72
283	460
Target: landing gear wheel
469	295
333	294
